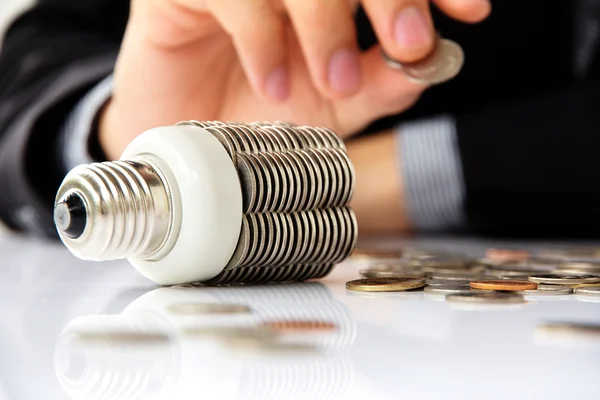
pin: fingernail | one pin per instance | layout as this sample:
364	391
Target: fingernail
277	85
344	71
411	28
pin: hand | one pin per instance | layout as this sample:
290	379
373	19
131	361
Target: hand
247	60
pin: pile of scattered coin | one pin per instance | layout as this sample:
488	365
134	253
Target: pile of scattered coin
296	182
504	276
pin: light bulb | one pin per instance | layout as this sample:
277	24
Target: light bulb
215	203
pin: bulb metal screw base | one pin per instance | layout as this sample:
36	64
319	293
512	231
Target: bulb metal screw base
114	210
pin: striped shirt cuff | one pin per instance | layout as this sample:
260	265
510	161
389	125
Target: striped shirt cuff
76	133
433	179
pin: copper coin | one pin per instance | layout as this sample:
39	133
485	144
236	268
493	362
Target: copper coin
503	284
507	255
300	326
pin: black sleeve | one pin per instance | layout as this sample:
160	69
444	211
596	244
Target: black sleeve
532	168
51	56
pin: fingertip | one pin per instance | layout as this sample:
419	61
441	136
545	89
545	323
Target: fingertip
277	85
344	73
471	11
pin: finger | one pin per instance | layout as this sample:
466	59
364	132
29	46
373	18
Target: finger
385	91
326	34
404	27
258	33
471	11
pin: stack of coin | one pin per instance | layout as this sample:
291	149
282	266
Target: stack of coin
297	182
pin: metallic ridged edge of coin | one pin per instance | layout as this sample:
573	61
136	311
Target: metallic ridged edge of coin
371	285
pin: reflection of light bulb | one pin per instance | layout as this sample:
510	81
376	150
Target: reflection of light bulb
215	203
184	366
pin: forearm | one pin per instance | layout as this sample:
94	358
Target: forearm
46	67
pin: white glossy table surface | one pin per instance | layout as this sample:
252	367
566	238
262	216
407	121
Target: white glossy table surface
393	346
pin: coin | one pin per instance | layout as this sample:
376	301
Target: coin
564	279
443	282
507	255
285	326
208	308
556	290
385	284
486	297
447	289
588	291
503	284
369	273
584	285
443	64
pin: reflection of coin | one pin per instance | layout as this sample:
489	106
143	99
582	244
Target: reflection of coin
570	329
588	291
289	326
125	337
447	289
503	284
443	64
208	308
564	279
485	297
385	284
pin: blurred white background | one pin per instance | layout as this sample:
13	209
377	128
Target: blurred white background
9	9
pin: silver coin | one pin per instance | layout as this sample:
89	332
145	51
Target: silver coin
207	308
447	289
246	140
564	279
304	176
556	291
261	191
319	239
486	297
247	176
291	179
273	174
443	64
265	244
446	282
588	291
315	138
580	267
224	142
300	237
306	137
271	182
333	236
302	224
287	236
260	235
282	176
339	186
253	237
243	246
284	234
317	184
323	173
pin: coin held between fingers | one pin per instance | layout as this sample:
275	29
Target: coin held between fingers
443	64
